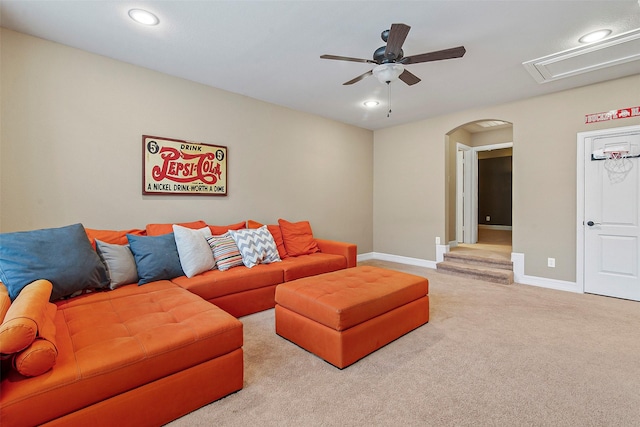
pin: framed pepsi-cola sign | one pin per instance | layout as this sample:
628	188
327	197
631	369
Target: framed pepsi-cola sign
173	166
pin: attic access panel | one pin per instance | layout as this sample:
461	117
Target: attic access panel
606	53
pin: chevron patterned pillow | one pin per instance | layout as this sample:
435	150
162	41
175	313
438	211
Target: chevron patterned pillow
256	246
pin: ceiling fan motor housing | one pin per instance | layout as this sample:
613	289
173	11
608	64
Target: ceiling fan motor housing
379	58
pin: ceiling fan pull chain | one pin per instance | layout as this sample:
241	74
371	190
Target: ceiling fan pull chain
389	98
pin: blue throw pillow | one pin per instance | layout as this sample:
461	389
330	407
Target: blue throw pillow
156	257
64	256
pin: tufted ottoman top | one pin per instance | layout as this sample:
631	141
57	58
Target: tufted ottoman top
345	298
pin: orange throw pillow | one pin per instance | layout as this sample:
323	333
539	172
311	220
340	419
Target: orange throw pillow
5	301
160	229
277	236
37	359
25	317
298	238
41	355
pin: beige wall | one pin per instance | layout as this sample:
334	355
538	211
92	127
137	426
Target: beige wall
71	149
409	175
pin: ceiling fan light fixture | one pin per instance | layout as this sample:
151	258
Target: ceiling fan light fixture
143	17
371	104
386	73
594	36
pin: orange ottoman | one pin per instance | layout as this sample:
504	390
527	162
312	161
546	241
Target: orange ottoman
345	315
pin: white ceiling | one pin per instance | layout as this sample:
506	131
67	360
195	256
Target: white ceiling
270	50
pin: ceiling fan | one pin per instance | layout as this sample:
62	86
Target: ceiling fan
390	59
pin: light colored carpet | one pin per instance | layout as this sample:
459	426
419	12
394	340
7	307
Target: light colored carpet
491	355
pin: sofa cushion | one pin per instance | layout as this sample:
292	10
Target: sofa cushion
217	230
215	284
160	229
256	246
298	237
274	229
225	251
311	265
112	342
156	257
194	251
116	237
120	263
62	255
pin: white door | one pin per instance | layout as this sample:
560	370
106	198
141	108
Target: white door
611	218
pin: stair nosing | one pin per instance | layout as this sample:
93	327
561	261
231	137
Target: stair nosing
479	260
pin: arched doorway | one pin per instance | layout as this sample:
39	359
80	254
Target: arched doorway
479	174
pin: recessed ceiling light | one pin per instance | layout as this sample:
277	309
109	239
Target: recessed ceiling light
371	104
143	17
594	36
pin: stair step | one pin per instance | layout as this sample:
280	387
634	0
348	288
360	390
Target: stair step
496	275
463	258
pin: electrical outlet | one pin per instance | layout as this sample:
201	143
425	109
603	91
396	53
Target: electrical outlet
551	262
437	240
488	218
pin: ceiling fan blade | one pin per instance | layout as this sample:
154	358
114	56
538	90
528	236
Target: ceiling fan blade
409	78
357	79
397	36
454	52
346	58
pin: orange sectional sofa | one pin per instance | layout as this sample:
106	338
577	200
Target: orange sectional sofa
137	354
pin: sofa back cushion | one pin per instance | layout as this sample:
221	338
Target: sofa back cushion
160	229
218	230
63	256
116	237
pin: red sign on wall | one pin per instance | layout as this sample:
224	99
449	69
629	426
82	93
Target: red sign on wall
173	166
624	113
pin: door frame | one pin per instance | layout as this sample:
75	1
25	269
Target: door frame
580	190
463	199
471	197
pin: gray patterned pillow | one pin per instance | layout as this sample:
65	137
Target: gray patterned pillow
256	246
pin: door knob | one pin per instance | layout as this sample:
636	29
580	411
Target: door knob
591	223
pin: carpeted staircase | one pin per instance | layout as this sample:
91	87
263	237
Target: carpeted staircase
476	266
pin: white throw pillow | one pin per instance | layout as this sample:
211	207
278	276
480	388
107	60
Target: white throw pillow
194	251
256	246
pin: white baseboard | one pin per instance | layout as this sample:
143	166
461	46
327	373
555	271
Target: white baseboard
397	258
543	282
516	258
